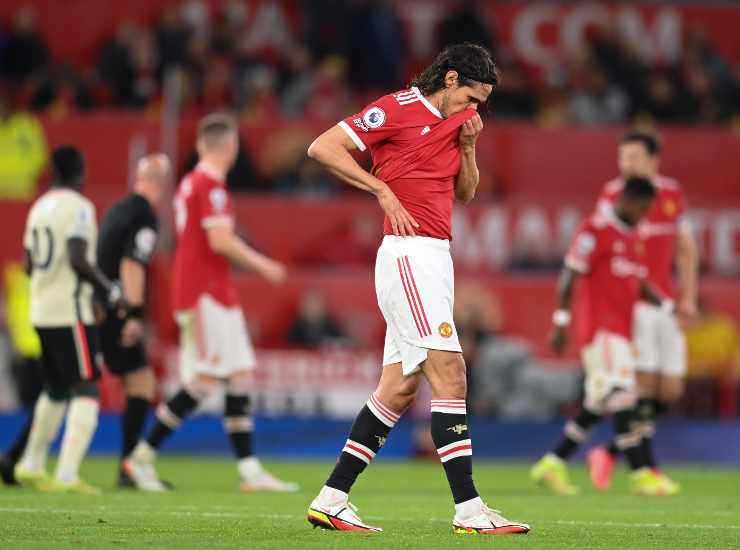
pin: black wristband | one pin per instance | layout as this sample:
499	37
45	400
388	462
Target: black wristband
135	312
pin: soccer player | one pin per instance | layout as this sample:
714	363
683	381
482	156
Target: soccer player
661	347
214	344
606	255
128	236
59	241
422	141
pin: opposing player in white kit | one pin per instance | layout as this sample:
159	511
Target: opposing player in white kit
422	142
60	238
214	345
660	343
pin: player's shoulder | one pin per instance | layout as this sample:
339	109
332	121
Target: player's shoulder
613	187
667	185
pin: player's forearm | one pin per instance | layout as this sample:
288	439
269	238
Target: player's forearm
338	160
133	282
468	178
243	255
77	251
687	265
564	295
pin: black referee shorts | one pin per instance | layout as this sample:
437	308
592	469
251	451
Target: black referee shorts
69	355
120	359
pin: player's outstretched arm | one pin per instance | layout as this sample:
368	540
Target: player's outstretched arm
468	178
77	253
561	316
687	269
332	150
223	241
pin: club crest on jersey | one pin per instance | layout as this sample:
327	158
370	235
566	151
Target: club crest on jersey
669	207
425	130
374	117
381	440
445	330
458	428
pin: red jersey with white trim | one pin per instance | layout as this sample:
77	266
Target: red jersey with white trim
415	151
608	255
201	202
658	229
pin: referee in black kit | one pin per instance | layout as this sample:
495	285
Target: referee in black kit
128	237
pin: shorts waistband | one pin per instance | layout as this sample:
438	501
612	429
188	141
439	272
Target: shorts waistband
441	244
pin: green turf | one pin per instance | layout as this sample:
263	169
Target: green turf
410	501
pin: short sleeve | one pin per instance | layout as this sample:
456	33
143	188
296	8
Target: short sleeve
82	224
582	251
216	207
377	122
141	244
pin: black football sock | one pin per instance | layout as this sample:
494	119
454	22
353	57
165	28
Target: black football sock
367	436
132	423
171	414
13	454
627	439
647	410
238	424
454	447
575	432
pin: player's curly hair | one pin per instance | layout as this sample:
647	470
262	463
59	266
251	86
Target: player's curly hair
472	62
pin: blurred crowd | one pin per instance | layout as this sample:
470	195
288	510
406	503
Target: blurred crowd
324	67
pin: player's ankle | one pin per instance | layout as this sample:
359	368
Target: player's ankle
469	508
249	467
143	452
329	496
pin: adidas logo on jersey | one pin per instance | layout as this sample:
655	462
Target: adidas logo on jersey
425	130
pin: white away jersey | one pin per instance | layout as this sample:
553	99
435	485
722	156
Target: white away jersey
58	296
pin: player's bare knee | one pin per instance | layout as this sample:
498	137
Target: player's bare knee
140	383
239	383
671	390
201	386
647	385
447	376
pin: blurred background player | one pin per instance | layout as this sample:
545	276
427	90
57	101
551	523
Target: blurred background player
606	254
661	346
214	344
60	239
422	142
128	237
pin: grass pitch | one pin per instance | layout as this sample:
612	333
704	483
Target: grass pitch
409	500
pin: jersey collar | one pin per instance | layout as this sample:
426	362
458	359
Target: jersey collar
210	171
426	103
611	216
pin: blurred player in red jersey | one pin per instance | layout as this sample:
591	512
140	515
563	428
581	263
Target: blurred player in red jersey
661	362
607	257
214	344
422	142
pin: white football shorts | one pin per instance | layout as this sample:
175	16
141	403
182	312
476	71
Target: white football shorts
660	342
213	340
609	364
415	286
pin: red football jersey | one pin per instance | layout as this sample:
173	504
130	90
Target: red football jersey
658	230
608	254
415	151
201	201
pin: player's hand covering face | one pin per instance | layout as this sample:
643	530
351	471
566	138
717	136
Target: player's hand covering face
470	130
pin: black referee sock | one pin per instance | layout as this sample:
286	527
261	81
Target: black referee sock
627	440
239	424
170	415
132	423
367	436
13	454
452	439
575	432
